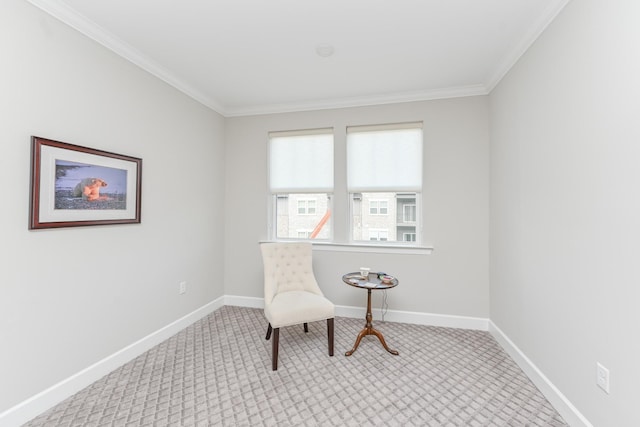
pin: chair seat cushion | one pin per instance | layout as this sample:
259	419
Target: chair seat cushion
295	307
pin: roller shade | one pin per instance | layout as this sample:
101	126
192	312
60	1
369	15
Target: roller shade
384	158
301	161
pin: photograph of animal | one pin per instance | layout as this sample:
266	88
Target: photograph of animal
89	189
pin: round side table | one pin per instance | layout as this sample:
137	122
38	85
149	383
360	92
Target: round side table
369	283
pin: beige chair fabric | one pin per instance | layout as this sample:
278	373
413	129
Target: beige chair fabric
291	293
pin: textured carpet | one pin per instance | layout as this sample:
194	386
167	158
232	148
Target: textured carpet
217	372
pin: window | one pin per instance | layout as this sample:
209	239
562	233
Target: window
306	207
301	183
304	234
378	207
377	234
408	237
409	213
384	180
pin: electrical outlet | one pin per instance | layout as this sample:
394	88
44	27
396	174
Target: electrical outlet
602	377
182	288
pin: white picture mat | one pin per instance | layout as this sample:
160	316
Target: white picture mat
47	211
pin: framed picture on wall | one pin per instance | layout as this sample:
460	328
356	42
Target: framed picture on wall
75	186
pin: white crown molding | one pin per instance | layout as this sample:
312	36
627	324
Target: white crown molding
526	42
69	16
360	101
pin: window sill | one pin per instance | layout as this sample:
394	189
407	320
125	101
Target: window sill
364	248
380	249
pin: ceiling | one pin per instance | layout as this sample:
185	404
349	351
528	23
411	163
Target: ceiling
242	57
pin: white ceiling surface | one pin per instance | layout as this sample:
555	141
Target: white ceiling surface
243	57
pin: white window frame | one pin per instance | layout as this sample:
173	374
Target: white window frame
363	162
342	219
300	171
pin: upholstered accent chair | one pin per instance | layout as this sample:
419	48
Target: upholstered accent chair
291	293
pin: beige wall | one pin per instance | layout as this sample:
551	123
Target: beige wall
565	206
453	280
70	297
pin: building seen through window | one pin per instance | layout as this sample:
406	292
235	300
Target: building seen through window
303	216
383	217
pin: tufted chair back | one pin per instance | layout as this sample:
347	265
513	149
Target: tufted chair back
288	267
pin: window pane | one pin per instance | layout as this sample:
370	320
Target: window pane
381	217
373	207
303	216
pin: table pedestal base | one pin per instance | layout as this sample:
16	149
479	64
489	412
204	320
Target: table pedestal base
370	330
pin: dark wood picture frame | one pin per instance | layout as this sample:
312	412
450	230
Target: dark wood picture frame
74	186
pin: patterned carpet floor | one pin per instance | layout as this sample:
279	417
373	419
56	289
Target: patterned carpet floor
217	372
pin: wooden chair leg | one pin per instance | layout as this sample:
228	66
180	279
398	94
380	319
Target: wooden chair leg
274	349
306	327
269	329
330	335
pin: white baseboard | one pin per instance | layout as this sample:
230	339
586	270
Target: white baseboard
416	318
239	301
564	407
35	405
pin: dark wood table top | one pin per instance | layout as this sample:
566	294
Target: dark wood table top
373	281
